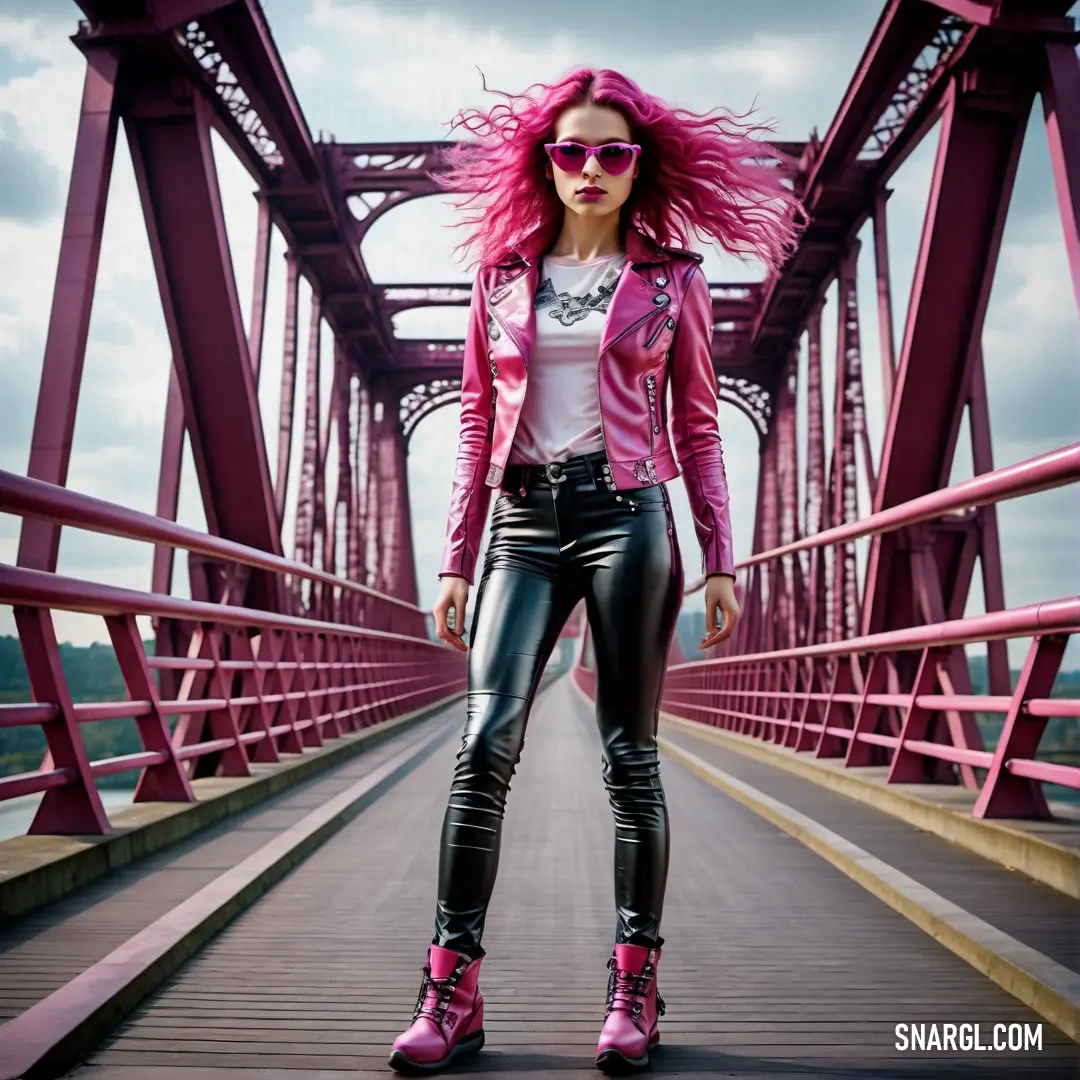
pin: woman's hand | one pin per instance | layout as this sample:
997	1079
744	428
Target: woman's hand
454	594
719	596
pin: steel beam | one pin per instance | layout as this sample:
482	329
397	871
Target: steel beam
981	134
307	536
73	297
340	532
989	549
75	807
884	298
257	323
168	496
784	421
397	564
177	180
374	498
242	37
850	440
1061	107
360	562
817	513
288	387
769	514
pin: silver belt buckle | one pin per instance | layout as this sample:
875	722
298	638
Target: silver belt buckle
554	473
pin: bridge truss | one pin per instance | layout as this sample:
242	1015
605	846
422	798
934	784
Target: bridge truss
264	658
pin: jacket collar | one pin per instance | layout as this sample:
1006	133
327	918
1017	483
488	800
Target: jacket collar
641	250
515	280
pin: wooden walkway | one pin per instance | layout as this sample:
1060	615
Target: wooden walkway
44	950
776	965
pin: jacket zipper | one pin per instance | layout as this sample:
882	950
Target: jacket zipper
670	526
634	325
517	345
654	422
669	322
600	364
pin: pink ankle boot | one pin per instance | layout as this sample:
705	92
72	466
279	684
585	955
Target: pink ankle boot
449	1019
630	1024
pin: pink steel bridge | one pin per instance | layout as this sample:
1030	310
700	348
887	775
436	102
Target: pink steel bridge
289	644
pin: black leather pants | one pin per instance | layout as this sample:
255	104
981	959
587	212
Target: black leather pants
552	543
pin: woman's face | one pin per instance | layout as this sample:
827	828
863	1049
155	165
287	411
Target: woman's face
592	125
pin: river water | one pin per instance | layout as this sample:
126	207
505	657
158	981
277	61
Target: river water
17	814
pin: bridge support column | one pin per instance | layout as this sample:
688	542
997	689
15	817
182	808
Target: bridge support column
168	128
342	521
982	130
396	567
849	428
789	570
362	552
816	515
922	574
1062	85
769	509
310	510
73	297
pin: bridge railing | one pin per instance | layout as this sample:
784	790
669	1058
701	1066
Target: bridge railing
891	698
243	685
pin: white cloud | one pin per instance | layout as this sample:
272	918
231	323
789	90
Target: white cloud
1043	297
433	69
422	67
768	61
304	61
46	102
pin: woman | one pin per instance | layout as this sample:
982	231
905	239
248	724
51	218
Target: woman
582	319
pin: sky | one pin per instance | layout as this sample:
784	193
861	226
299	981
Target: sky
382	70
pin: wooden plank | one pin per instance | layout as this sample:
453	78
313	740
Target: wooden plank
774	961
1038	916
48	948
55	1033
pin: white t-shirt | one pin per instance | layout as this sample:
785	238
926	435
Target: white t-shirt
561	415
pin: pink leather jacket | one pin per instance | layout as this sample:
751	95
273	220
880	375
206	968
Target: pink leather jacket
659	327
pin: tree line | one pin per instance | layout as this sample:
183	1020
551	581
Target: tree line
93	674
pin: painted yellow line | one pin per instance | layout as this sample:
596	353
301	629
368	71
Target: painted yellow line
1051	989
1016	849
50	1036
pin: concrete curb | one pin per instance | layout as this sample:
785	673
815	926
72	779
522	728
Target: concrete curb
62	864
51	1036
1050	989
1038	859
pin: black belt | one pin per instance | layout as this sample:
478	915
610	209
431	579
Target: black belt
593	467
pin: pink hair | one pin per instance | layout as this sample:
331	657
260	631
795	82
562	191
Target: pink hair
700	174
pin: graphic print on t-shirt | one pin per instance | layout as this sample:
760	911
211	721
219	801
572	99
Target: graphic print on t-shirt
571	309
560	416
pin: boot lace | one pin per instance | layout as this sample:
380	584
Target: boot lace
435	994
626	992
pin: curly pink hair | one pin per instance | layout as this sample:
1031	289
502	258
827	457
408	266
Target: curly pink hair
700	174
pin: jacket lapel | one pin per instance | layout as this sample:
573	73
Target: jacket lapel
510	301
633	298
641	290
511	305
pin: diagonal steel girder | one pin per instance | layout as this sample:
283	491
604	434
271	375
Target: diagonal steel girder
226	52
177	181
893	99
985	110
